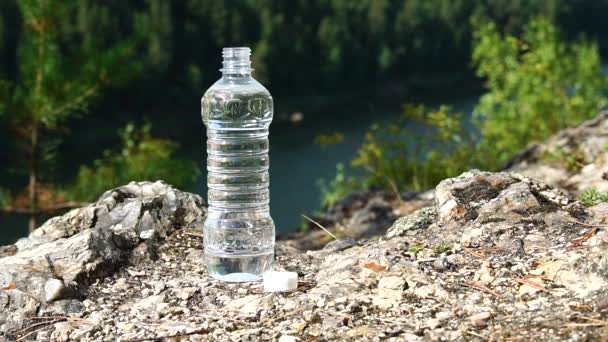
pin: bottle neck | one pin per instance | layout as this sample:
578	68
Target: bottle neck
236	63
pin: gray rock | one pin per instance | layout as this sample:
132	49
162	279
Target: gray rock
53	289
159	287
151	306
7	250
63	307
61	332
575	158
476	203
372	220
334	246
493	244
419	219
90	242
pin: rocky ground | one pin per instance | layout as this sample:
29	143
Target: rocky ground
498	256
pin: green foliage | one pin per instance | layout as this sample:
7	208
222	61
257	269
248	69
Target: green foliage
142	157
5	198
55	81
415	248
537	85
442	248
592	197
390	39
55	84
325	140
571	160
423	147
338	187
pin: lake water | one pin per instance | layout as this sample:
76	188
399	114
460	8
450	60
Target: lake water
296	163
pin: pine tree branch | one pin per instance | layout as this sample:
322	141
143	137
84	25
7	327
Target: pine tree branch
76	101
40	28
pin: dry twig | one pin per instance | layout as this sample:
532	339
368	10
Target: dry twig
474	253
531	283
480	287
579	240
193	234
320	226
477	335
37	327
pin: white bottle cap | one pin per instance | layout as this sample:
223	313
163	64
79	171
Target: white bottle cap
280	281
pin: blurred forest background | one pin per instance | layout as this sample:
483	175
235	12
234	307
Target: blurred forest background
368	93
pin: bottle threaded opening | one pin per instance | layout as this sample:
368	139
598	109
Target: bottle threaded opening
237	60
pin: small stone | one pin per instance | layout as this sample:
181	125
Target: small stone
479	320
433	323
481	316
299	326
392	282
287	338
159	287
443	315
135	273
128	327
187	292
61	332
53	289
87	303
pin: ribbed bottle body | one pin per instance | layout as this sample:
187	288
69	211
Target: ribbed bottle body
239	233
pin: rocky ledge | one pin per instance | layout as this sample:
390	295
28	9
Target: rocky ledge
496	255
482	256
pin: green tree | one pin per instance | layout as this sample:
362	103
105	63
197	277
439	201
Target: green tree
419	149
434	145
52	86
537	84
141	157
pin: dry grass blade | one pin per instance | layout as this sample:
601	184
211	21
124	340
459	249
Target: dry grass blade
480	253
531	283
320	226
480	287
193	234
37	327
579	240
594	225
590	324
581	308
477	335
594	320
474	253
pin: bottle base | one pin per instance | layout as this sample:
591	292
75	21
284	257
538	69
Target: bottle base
238	268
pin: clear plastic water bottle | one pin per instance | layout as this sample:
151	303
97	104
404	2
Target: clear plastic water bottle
238	232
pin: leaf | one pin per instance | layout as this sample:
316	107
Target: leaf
10	286
374	266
